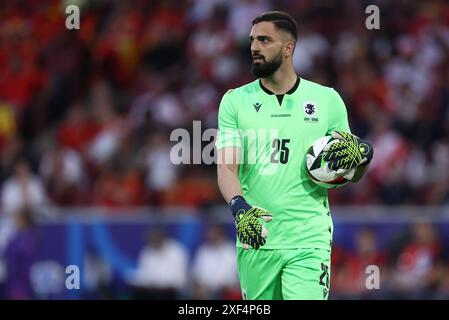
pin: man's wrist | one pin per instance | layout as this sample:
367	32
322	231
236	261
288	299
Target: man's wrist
238	203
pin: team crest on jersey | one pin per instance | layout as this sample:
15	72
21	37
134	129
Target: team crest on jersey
310	110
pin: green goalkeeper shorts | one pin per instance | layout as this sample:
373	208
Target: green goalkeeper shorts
284	274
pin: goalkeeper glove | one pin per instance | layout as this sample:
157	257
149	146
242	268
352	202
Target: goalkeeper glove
250	232
348	153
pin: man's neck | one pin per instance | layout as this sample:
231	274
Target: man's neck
281	81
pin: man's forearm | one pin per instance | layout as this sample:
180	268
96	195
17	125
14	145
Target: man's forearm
228	182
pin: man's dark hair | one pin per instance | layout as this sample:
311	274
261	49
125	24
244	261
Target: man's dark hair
281	20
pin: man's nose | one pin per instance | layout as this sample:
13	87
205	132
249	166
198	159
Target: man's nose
255	47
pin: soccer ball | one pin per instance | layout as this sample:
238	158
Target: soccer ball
318	169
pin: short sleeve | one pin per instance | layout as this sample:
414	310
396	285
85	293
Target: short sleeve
228	132
338	115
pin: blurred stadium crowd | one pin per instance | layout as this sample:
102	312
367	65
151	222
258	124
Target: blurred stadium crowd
86	115
90	111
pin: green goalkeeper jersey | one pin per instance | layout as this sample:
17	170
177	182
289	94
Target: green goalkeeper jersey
273	133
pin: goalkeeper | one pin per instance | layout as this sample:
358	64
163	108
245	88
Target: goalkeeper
283	221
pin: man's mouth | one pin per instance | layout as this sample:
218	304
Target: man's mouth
257	59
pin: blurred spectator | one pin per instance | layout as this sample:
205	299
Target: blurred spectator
23	189
419	267
203	9
63	173
161	268
350	278
311	47
161	173
111	127
387	165
118	186
77	130
19	255
28	78
214	269
242	14
116	49
163	38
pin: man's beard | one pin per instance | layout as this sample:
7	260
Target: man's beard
266	69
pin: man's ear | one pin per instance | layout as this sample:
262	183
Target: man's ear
289	48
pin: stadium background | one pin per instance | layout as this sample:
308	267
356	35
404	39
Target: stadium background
85	120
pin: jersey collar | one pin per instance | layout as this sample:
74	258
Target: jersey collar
291	91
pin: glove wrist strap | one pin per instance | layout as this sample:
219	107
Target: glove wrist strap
238	203
369	152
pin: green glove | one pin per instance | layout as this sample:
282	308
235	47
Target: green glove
348	153
250	232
